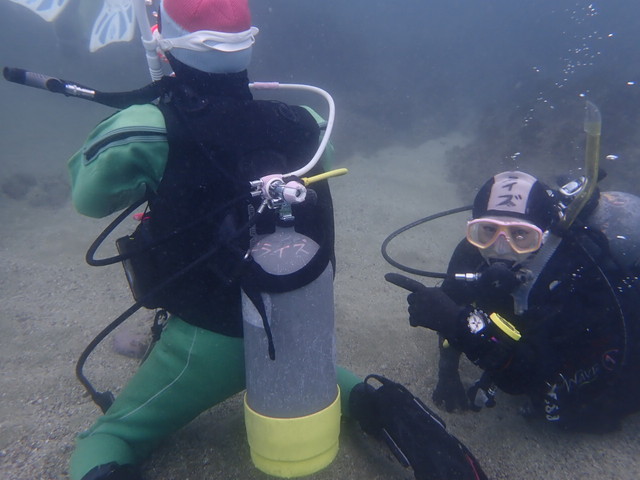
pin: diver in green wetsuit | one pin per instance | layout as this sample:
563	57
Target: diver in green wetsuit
191	157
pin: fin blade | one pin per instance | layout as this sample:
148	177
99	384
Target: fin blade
48	10
115	23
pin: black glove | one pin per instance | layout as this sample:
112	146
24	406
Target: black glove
432	308
429	307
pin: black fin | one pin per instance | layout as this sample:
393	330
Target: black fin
414	433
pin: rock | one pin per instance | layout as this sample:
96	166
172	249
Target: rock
18	185
130	343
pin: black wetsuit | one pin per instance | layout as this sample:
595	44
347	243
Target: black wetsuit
577	358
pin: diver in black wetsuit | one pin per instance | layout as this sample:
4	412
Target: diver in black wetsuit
552	315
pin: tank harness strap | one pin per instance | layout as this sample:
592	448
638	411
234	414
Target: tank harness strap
521	294
271	283
256	298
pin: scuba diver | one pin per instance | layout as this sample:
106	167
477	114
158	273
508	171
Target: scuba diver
191	145
546	305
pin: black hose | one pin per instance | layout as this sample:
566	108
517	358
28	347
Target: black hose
67	88
101	262
415	271
105	399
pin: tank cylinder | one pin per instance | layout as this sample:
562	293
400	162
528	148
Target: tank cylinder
292	408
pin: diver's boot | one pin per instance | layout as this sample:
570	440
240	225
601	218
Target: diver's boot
417	437
113	471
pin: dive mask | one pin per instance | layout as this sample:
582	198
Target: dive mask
522	237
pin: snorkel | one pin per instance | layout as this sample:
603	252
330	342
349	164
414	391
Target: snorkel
581	192
148	42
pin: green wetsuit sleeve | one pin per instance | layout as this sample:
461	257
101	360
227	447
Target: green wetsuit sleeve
123	157
327	156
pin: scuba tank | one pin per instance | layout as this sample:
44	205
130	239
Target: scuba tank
292	402
617	215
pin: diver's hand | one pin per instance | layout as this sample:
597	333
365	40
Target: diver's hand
450	393
432	308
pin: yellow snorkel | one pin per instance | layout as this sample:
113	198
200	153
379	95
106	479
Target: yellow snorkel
592	127
578	193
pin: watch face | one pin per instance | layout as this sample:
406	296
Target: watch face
476	322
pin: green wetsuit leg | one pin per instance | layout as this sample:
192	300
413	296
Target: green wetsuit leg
346	381
188	371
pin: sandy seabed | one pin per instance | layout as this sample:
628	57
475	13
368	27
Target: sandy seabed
53	304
